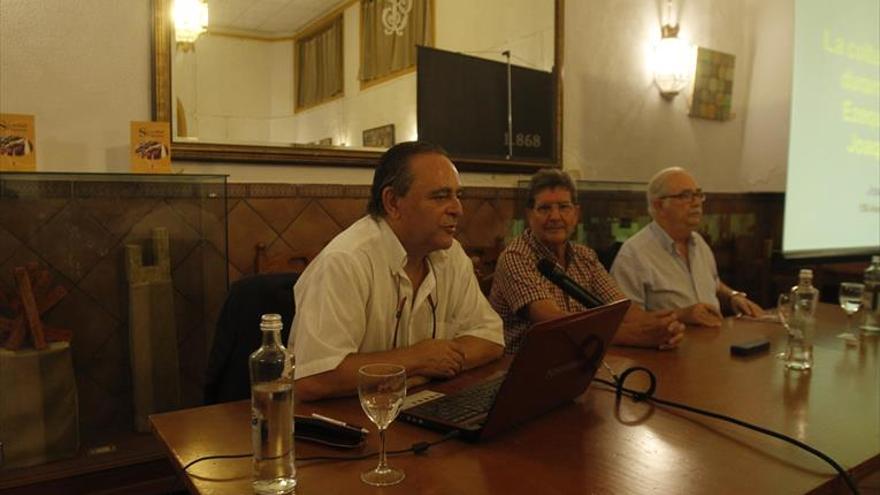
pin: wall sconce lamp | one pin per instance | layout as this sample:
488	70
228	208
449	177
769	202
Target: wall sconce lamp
673	62
190	21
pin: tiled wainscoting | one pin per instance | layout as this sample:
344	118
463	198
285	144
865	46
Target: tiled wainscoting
295	221
78	230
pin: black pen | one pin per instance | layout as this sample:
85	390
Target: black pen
340	423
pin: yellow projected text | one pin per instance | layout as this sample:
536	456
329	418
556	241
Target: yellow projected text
866	53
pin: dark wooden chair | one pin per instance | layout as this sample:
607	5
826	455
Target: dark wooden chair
263	263
238	332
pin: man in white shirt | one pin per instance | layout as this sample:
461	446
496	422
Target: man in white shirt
668	265
395	287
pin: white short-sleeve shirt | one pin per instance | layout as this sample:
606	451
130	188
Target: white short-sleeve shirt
347	300
651	272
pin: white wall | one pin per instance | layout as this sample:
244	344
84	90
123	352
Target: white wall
215	84
485	28
83	69
617	127
765	143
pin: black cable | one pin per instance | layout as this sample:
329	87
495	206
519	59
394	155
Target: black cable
416	448
648	395
209	457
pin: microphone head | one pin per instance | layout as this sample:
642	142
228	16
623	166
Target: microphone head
546	267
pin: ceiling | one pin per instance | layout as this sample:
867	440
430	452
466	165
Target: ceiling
266	17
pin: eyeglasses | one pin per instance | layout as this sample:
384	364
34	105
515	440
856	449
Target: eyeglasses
399	312
687	195
545	209
402	302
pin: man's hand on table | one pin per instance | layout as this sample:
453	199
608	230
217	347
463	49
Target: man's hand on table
436	358
657	329
742	305
701	314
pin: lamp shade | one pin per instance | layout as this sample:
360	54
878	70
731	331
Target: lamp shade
673	65
190	19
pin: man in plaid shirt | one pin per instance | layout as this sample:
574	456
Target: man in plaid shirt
522	296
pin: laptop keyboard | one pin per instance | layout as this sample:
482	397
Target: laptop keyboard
462	405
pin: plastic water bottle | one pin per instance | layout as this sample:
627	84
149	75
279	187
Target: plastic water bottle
804	298
271	368
872	296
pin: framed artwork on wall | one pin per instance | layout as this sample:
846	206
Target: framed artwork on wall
379	137
713	85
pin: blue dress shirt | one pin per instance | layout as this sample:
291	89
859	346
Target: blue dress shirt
650	271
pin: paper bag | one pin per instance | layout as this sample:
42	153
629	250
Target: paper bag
38	406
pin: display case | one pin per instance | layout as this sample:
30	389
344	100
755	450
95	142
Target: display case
127	274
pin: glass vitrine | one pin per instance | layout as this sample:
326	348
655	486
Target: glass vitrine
128	273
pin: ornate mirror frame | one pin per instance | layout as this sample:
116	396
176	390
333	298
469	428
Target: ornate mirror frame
321	156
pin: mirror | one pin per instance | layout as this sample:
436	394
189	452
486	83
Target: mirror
237	93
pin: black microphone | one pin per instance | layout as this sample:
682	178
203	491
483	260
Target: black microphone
549	269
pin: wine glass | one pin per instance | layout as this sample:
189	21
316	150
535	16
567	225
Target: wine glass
785	309
382	388
851	301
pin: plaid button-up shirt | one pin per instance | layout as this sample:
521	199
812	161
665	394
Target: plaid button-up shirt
518	283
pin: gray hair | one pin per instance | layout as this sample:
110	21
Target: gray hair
657	185
550	178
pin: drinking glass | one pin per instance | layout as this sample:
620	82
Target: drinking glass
799	356
851	301
784	309
382	388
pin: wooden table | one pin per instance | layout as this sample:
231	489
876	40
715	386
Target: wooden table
594	446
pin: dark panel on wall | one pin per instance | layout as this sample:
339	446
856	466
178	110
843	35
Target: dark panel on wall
462	105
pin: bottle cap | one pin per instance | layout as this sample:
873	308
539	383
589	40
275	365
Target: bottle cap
875	258
806	272
270	322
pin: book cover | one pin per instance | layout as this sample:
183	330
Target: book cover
18	152
150	147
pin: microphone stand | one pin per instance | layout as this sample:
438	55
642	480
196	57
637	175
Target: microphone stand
506	53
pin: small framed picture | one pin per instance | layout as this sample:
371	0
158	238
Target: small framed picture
713	85
379	137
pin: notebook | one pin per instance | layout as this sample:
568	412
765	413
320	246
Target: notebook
555	364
